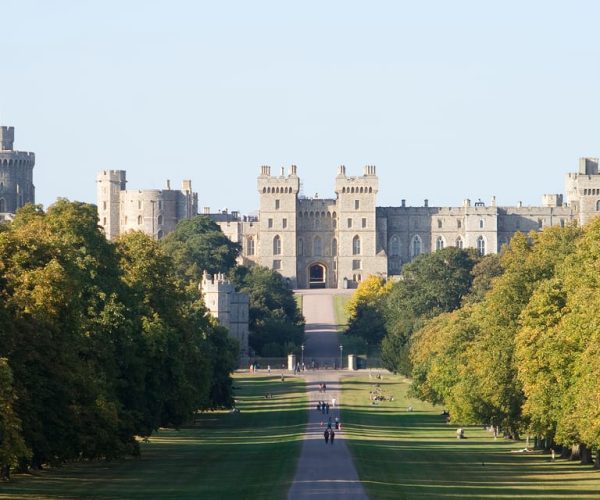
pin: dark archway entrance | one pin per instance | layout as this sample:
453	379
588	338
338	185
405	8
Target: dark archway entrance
317	276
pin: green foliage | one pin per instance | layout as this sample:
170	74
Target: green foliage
431	284
365	310
197	245
103	341
276	324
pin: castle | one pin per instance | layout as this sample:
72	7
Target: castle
336	242
16	176
155	212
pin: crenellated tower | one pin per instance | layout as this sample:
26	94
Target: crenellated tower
16	174
356	229
583	190
109	185
278	195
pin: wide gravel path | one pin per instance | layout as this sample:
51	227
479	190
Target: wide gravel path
325	471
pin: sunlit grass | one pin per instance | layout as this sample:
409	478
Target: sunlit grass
341	317
402	454
252	454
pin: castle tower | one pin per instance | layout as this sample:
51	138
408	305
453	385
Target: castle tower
109	184
356	229
583	190
277	219
228	306
16	174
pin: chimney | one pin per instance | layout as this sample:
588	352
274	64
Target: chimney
426	203
403	203
206	210
168	185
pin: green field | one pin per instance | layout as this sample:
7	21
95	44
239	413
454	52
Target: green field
249	455
341	317
401	454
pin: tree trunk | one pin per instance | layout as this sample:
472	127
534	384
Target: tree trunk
575	452
586	455
565	452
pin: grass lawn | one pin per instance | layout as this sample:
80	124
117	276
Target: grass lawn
249	455
298	298
341	318
401	454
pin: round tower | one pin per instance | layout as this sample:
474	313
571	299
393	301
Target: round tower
16	174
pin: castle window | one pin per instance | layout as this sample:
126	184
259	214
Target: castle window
415	247
439	243
562	222
458	223
277	264
356	245
125	220
317	246
103	220
480	223
277	245
356	204
2	205
160	205
334	223
598	206
139	220
355	264
276	204
250	246
540	223
343	190
349	223
160	220
264	190
160	234
284	223
364	222
459	243
439	223
333	247
370	190
300	246
395	246
270	223
139	204
104	205
481	245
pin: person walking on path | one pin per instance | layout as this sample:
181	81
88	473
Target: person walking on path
326	435
331	436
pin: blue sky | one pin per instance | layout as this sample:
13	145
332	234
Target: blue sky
448	99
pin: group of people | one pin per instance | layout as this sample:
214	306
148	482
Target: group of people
329	435
323	407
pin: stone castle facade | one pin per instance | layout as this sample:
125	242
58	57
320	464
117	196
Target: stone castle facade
155	212
231	308
16	175
337	242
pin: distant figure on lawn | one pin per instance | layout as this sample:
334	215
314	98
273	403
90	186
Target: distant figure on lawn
326	436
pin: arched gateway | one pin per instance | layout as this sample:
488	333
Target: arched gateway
317	276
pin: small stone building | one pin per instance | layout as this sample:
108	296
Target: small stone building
228	306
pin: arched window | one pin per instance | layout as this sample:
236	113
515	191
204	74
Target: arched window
597	206
2	205
481	245
250	246
333	247
480	223
139	220
317	246
300	246
277	245
415	246
439	222
160	220
395	246
459	242
160	234
356	245
439	243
